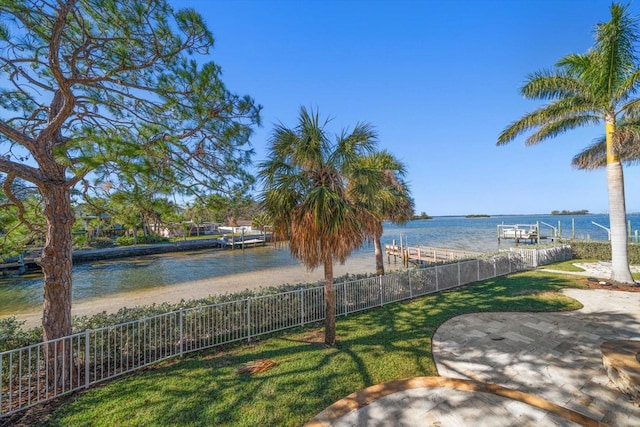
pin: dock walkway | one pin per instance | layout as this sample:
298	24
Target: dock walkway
425	254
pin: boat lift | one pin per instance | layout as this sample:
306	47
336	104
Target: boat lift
530	232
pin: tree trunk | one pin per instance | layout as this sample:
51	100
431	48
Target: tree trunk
56	262
379	256
618	222
329	303
56	266
620	271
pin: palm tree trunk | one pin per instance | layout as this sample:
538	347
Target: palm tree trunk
620	271
329	303
618	222
379	257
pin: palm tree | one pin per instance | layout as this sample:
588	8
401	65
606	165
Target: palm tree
305	195
379	185
586	89
626	142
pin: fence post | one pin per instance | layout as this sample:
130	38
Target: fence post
410	288
87	358
301	306
380	290
249	319
437	286
344	299
478	268
459	275
181	326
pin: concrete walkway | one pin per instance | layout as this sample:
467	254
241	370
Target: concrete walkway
555	356
510	369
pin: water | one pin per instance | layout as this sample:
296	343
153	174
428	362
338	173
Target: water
24	293
481	234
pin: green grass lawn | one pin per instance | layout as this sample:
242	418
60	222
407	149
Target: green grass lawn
569	266
375	346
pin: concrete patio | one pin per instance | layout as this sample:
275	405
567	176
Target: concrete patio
511	369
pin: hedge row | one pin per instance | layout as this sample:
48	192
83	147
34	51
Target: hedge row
590	249
14	335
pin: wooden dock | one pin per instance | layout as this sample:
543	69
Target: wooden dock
425	254
522	232
18	265
243	242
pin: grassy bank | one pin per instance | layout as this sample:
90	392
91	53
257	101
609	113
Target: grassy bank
376	346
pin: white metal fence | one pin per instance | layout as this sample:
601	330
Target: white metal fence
41	372
534	257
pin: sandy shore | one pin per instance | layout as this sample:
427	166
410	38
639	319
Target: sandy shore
203	288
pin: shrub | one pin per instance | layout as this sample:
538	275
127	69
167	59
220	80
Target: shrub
79	241
124	241
153	238
12	335
100	242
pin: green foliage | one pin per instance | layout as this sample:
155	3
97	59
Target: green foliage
114	92
128	314
423	215
153	239
589	249
100	242
124	240
565	212
12	334
80	241
21	222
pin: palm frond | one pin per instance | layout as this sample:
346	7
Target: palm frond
256	367
554	84
616	40
626	144
560	126
592	157
575	111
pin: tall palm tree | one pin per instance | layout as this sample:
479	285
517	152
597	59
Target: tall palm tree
586	89
305	195
380	187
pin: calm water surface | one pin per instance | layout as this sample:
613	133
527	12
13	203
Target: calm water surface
115	276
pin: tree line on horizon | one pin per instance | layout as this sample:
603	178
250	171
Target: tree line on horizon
566	212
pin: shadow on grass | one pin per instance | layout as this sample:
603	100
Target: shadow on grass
373	347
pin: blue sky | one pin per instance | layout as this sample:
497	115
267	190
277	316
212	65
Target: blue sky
439	80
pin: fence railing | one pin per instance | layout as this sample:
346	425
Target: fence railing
41	372
534	257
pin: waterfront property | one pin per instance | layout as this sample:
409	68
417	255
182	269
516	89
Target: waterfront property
94	356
